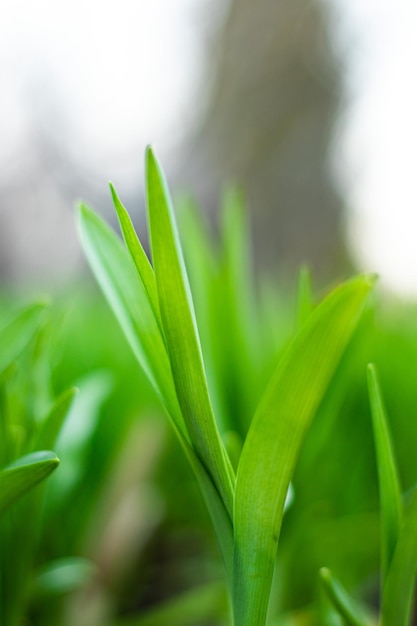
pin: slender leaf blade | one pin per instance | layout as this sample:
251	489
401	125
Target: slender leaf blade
126	293
51	426
22	475
127	296
344	604
397	598
389	485
137	253
180	329
274	439
17	334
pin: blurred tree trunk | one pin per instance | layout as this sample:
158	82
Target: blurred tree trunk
268	127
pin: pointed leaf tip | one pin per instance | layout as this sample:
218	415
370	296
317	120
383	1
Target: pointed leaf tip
349	610
23	474
389	484
181	332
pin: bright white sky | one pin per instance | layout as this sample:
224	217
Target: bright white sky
129	72
379	144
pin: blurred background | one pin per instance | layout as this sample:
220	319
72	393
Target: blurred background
308	105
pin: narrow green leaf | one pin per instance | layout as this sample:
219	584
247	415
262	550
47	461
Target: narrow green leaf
129	299
17	334
21	475
181	333
274	439
239	346
51	426
235	231
389	486
399	585
137	252
196	606
130	302
346	607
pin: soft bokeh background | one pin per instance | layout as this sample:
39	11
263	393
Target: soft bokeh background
308	105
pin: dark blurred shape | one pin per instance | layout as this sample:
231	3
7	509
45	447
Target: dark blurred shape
276	95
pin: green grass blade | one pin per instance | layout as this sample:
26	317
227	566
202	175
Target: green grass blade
51	426
389	486
129	299
239	345
181	333
17	334
274	439
21	475
399	585
127	296
137	252
345	606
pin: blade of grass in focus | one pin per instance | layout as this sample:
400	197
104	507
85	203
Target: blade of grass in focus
129	299
181	334
127	295
173	359
277	429
139	258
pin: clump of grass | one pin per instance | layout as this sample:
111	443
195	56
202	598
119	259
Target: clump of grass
25	461
153	303
398	534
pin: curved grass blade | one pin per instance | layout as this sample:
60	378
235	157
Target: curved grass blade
399	585
345	606
21	475
238	345
17	334
137	253
278	428
129	299
180	329
127	296
51	426
389	486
